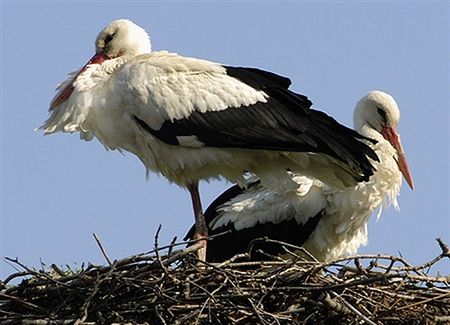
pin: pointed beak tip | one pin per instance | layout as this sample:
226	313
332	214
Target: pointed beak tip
404	169
411	184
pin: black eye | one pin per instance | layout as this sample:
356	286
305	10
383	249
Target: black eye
108	39
382	114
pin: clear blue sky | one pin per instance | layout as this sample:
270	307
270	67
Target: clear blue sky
58	190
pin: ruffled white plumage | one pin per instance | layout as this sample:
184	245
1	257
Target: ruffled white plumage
345	213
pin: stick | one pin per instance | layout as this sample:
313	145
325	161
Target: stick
353	309
102	250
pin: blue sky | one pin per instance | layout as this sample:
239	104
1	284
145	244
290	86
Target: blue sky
57	190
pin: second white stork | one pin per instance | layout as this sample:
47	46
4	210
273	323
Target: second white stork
191	119
329	223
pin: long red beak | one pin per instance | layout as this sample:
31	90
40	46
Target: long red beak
391	135
65	93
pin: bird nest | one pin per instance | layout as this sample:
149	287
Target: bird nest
170	286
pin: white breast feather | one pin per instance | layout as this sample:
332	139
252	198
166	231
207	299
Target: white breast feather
90	90
343	229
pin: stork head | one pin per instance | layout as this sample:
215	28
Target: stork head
379	111
122	37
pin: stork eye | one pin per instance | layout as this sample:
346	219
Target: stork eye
108	39
382	113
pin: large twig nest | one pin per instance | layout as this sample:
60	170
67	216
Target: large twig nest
175	288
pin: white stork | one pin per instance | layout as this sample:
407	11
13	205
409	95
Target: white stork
329	223
191	119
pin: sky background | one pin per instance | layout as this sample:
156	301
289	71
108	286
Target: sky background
57	190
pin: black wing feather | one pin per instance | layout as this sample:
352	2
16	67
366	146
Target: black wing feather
284	123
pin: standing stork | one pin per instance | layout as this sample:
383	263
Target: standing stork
329	223
191	119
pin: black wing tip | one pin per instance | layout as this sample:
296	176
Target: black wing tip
366	153
364	168
347	145
258	78
365	176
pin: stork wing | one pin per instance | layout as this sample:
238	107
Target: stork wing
199	103
239	216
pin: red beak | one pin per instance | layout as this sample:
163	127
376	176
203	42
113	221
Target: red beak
391	135
65	93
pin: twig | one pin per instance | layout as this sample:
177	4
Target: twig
16	275
232	259
24	303
108	260
282	244
181	254
158	256
159	315
425	301
353	309
444	247
171	245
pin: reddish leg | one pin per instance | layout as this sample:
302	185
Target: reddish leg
201	231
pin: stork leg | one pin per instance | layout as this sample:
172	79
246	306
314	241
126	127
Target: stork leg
201	231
